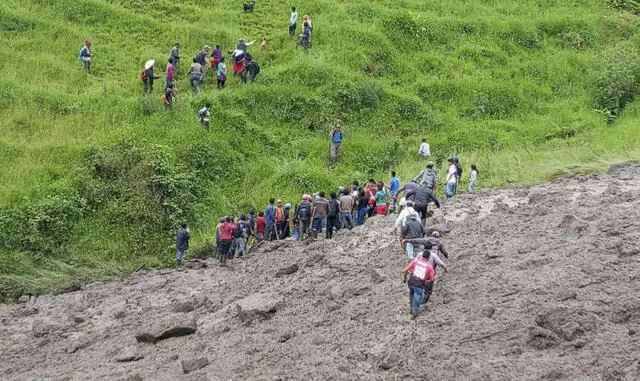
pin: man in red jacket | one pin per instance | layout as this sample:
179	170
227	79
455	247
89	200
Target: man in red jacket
418	275
261	227
226	239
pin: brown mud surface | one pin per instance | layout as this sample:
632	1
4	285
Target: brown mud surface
544	284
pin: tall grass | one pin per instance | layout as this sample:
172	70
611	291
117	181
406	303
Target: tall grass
94	175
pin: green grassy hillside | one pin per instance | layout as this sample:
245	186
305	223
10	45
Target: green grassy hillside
94	175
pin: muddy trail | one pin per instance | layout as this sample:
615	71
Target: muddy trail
544	284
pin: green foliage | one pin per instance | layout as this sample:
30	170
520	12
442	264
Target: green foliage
95	175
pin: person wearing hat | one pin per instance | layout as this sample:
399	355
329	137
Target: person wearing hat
436	244
293	21
452	178
336	143
175	54
148	77
307	19
242	45
424	150
85	56
428	176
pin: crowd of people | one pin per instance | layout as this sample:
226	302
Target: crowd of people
342	210
207	61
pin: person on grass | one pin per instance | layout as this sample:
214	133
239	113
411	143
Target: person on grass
175	54
428	176
452	178
204	114
293	21
195	74
85	56
170	73
424	150
222	73
168	97
336	143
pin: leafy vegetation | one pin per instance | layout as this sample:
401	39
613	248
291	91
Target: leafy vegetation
95	176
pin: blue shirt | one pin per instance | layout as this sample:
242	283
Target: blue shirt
394	186
270	214
337	137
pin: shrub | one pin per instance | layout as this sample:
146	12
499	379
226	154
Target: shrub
618	82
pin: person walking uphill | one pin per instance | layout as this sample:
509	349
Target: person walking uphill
195	74
175	54
85	56
412	229
147	76
418	275
336	143
452	178
182	242
170	73
428	176
421	198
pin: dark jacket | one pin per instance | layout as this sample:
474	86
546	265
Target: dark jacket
320	208
438	246
182	240
150	76
422	196
413	229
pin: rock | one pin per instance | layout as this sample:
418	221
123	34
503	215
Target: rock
376	277
567	295
314	259
195	264
183	306
23	299
134	377
78	319
26	311
189	366
41	328
171	326
336	292
487	311
80	343
174	357
287	270
631	332
540	338
119	315
129	354
258	306
285	337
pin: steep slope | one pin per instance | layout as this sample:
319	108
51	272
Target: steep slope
543	285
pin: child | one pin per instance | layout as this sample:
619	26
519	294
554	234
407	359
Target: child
167	97
424	149
473	179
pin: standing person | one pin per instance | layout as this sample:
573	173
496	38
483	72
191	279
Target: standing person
412	229
182	242
168	96
354	194
381	200
222	73
336	143
270	219
243	46
226	239
347	204
319	212
307	19
85	56
293	21
170	73
423	196
261	226
204	115
252	68
286	230
419	275
394	188
456	161
424	150
216	55
363	206
473	178
218	239
333	215
452	181
242	233
303	215
428	176
147	76
201	57
305	37
175	54
279	219
239	61
195	73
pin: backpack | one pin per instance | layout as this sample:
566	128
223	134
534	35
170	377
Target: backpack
334	208
240	230
80	52
143	75
304	212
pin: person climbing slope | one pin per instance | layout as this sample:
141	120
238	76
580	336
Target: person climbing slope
170	73
195	74
412	229
418	275
175	54
222	73
168	97
147	76
333	215
428	176
293	21
204	115
85	56
421	198
336	143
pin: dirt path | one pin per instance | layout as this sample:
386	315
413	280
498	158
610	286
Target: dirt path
544	285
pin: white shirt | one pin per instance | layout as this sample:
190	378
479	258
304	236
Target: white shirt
451	174
402	217
424	150
294	18
474	176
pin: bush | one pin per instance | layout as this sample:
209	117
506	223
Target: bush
618	82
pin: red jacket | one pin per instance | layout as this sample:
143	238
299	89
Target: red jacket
226	231
261	225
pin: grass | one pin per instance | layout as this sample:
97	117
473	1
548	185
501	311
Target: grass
94	175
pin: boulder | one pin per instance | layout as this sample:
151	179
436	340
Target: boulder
287	270
23	299
259	306
167	327
189	366
129	354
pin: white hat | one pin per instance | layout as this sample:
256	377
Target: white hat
149	64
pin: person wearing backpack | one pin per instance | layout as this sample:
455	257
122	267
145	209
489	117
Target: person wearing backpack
168	97
428	176
85	56
303	216
147	76
204	115
333	214
336	143
319	212
241	234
